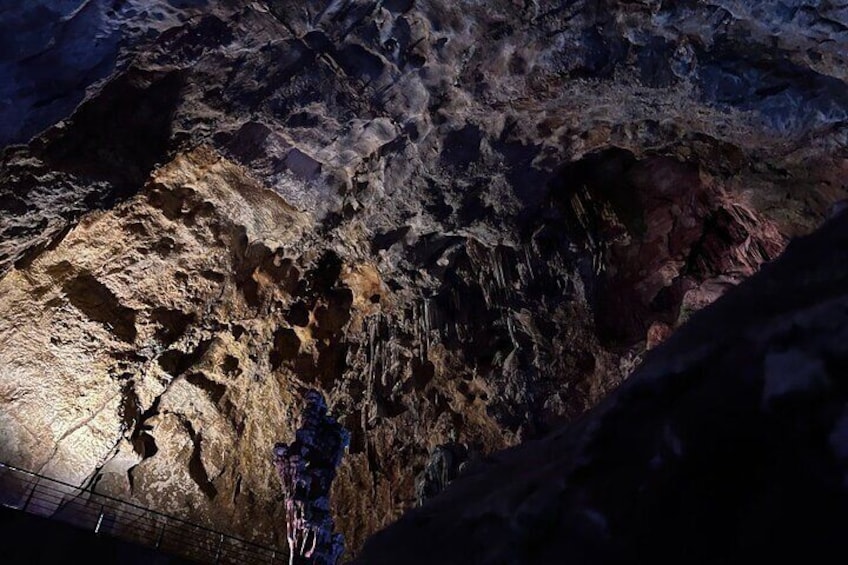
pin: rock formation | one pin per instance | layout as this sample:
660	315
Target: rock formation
444	466
462	222
307	468
728	445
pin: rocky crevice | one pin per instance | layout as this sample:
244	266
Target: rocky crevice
97	302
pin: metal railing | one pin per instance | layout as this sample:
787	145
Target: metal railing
105	515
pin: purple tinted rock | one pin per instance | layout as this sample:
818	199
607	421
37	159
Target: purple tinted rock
307	468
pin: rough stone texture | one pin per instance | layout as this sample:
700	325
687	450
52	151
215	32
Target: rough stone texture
444	466
137	361
728	445
51	51
461	221
307	469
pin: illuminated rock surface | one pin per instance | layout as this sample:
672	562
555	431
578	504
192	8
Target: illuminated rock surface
462	222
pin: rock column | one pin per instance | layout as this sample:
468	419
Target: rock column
307	468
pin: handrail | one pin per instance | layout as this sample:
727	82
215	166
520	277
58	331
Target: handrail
123	519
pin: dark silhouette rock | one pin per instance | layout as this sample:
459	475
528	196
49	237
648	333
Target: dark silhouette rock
444	466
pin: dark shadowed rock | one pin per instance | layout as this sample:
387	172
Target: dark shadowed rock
443	467
727	445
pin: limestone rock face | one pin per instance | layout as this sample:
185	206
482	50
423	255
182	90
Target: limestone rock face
729	444
134	365
52	50
462	222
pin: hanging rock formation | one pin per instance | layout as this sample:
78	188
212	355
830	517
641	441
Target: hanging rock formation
462	222
307	468
444	465
729	444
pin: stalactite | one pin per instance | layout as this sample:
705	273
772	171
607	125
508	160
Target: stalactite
529	263
511	328
426	327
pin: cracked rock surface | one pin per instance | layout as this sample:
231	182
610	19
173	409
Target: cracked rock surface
462	222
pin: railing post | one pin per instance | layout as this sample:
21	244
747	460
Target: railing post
161	534
220	547
99	520
30	495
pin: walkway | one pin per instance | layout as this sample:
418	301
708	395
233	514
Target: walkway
50	498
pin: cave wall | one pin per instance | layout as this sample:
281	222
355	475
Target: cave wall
462	222
728	444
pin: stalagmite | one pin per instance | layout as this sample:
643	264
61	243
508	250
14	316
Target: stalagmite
307	468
